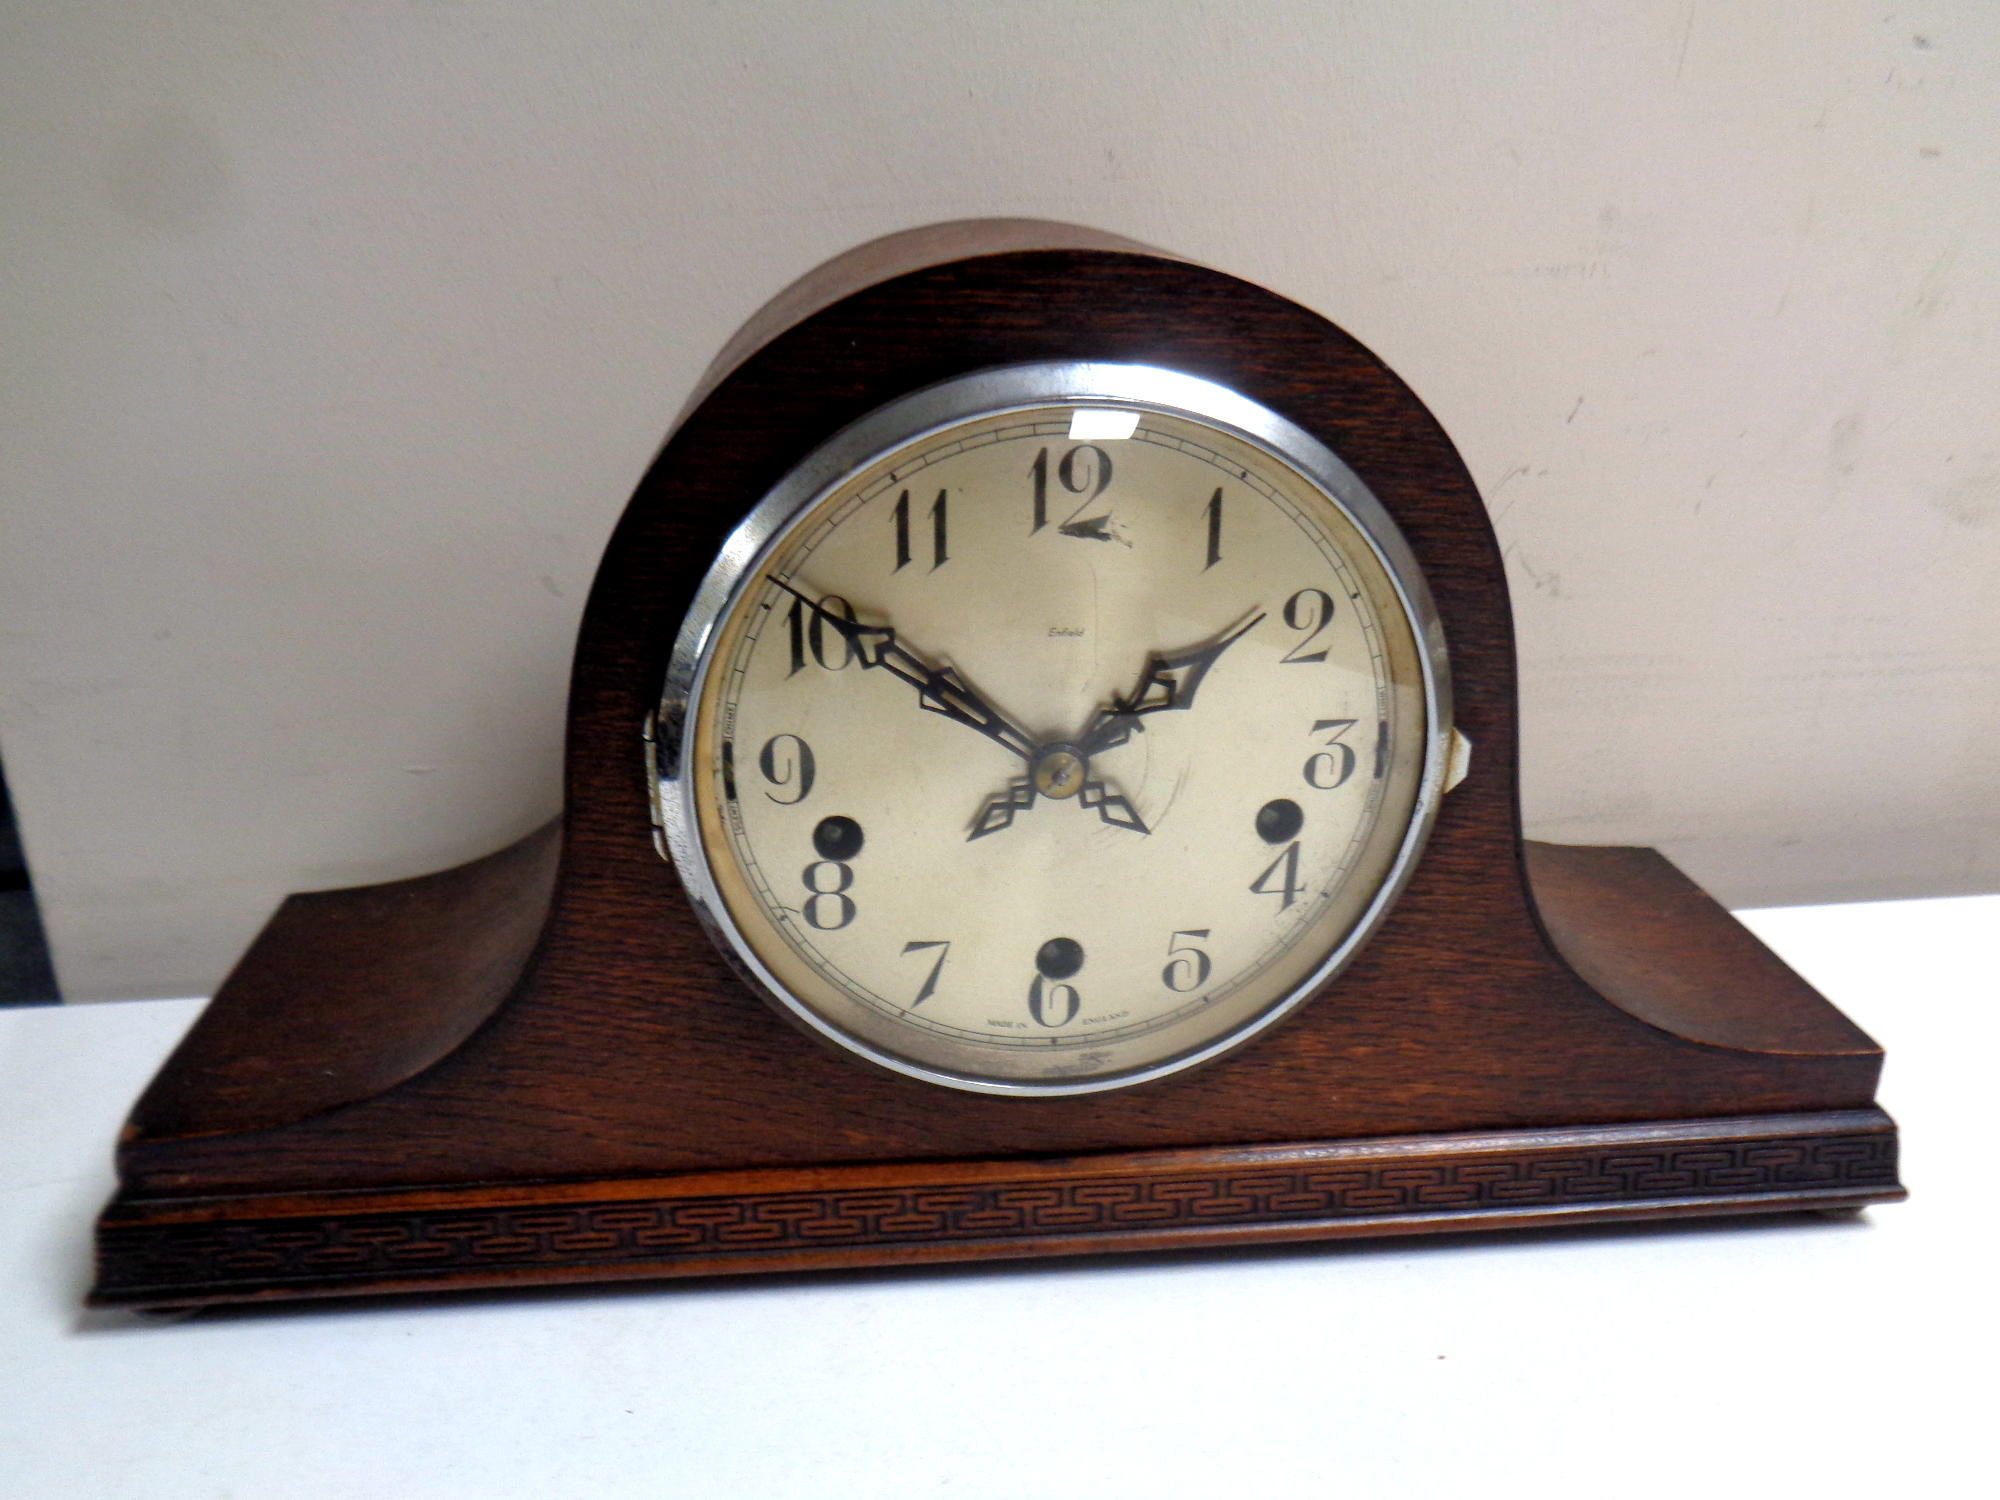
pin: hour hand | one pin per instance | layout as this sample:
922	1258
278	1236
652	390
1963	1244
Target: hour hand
999	809
1112	807
1170	680
939	689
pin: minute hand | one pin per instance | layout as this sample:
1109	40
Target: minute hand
939	689
1169	681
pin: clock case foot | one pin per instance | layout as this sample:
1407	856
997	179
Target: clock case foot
537	1068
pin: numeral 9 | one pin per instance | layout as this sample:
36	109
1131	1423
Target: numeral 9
779	771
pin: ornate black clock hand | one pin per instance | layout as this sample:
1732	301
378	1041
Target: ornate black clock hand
939	689
1170	680
1058	772
999	809
1111	807
1055	770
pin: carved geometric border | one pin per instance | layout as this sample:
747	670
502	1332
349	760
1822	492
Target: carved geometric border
140	1262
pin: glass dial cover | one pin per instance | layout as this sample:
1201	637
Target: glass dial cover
1053	729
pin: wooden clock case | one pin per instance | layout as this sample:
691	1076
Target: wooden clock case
537	1068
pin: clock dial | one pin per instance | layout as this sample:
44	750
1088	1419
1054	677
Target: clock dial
1059	728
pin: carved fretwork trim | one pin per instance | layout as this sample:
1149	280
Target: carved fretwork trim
1442	1182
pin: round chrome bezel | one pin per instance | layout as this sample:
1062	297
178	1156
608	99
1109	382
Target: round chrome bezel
924	413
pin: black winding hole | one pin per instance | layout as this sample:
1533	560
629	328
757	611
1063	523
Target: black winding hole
837	838
1059	958
1279	821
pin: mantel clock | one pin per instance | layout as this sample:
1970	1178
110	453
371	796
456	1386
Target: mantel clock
1041	779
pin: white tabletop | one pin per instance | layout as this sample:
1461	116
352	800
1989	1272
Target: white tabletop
1788	1356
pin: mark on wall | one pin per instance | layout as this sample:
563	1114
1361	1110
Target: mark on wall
1843	445
1971	501
1934	291
1545	580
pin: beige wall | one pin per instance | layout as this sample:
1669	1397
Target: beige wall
336	336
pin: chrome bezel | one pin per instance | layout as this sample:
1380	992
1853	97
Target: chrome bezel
923	413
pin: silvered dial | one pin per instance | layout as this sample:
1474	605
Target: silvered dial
1054	729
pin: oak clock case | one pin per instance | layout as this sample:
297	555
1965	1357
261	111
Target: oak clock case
1128	715
544	1067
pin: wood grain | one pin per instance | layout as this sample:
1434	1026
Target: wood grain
347	993
1652	942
